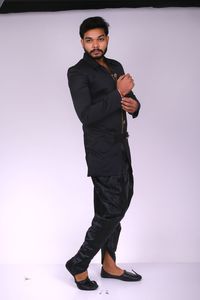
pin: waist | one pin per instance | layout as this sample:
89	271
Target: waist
104	134
120	137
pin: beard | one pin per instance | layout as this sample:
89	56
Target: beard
96	53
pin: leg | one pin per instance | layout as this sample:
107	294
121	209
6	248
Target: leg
110	245
109	265
110	269
109	210
108	251
112	198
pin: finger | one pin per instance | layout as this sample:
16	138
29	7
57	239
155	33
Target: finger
128	109
125	107
127	101
121	77
129	76
129	105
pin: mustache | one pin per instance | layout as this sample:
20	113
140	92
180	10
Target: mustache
96	50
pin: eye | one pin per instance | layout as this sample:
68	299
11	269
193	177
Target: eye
101	39
88	40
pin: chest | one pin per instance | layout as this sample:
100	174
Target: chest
102	81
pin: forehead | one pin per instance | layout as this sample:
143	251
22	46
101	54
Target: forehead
94	33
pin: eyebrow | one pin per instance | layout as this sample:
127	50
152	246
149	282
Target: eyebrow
88	37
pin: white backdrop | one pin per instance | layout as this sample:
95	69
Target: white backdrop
43	181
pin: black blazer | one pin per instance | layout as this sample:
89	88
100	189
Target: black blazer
98	105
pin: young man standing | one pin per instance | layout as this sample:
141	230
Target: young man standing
102	94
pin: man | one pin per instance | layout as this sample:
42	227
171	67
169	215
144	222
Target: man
102	95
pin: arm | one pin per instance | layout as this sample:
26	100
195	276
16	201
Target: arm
129	102
87	111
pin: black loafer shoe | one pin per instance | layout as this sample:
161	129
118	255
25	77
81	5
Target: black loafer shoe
85	284
126	276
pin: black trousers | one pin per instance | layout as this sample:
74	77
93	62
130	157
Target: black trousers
112	196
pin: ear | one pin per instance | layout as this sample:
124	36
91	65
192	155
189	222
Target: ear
82	42
107	38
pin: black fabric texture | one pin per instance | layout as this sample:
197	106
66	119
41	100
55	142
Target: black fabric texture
98	105
112	197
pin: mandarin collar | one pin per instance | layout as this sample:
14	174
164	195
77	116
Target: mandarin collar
92	61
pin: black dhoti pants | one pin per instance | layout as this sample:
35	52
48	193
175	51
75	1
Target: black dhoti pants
112	196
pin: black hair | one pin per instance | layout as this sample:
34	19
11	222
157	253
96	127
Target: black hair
92	23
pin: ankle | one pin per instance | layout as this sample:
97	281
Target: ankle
114	270
81	276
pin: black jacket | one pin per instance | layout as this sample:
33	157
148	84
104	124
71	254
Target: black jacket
98	106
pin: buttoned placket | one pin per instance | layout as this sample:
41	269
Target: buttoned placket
114	76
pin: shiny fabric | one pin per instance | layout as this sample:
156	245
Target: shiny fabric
112	196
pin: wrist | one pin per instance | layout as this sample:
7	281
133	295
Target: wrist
120	93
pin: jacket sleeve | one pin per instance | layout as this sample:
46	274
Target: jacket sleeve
87	111
135	114
132	95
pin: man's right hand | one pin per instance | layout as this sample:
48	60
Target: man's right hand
125	83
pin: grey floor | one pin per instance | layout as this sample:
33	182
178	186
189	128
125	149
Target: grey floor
48	282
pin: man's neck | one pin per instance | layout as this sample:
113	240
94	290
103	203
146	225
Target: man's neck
103	63
100	61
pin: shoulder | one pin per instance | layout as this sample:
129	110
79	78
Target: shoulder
78	66
113	62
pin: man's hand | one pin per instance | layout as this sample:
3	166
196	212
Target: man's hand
125	84
129	104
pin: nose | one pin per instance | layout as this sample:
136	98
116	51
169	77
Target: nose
95	44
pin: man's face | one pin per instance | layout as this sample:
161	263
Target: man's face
95	43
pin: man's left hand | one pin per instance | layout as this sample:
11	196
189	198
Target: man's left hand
129	104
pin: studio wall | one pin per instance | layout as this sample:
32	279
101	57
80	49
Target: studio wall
43	174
